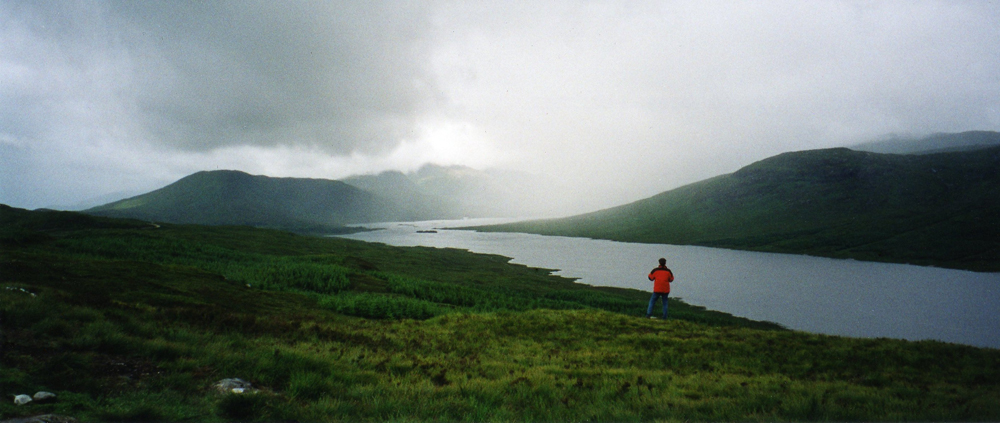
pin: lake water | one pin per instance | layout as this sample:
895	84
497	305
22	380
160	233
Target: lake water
813	294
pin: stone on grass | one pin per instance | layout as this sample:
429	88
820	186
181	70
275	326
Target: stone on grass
42	396
22	399
233	385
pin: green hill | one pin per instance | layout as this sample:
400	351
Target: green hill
936	209
229	197
127	321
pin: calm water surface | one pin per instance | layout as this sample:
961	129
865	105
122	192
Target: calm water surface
836	297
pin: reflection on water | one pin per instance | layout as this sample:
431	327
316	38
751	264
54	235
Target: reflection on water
838	297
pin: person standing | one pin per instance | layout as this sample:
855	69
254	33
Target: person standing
661	277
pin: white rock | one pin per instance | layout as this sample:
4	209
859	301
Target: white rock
22	399
234	385
44	396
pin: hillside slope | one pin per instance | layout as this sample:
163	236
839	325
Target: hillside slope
936	209
229	197
126	321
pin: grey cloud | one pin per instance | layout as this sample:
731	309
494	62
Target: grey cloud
342	76
611	87
593	94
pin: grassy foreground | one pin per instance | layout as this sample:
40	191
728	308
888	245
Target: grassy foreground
132	322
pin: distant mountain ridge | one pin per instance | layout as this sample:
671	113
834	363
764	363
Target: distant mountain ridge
935	209
396	187
936	143
228	197
450	192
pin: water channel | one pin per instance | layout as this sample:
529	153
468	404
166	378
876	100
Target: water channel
813	294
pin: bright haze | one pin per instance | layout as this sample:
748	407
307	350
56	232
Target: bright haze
610	102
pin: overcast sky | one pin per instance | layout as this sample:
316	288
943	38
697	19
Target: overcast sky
615	100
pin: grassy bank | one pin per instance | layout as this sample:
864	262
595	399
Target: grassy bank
134	322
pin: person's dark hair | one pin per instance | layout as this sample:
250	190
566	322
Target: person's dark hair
663	262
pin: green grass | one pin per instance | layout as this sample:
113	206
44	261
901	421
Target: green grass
135	323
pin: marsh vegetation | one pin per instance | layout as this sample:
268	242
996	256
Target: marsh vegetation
131	322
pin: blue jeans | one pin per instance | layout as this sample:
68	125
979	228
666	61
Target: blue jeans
652	300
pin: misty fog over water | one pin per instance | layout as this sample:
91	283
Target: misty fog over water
813	294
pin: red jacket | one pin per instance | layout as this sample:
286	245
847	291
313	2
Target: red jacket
661	277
